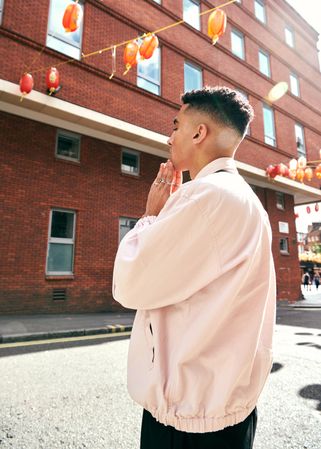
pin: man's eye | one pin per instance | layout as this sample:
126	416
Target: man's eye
174	129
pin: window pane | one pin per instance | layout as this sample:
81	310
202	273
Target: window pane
1	8
237	41
148	73
192	77
289	37
284	247
294	84
68	146
125	225
191	11
130	162
264	63
60	257
280	200
299	137
62	225
58	38
259	10
269	131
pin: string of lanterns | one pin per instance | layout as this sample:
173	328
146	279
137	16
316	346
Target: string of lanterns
297	169
134	49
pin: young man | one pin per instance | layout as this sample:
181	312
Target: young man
200	350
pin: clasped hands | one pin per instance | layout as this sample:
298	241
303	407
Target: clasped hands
167	181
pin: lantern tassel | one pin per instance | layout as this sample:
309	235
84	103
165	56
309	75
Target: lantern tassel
23	96
214	40
128	67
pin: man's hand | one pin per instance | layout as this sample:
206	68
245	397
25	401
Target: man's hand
167	182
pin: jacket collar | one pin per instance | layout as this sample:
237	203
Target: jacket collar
223	163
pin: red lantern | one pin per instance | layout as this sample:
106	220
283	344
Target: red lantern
216	25
130	55
308	173
52	80
26	84
318	171
308	209
148	46
300	174
72	17
316	207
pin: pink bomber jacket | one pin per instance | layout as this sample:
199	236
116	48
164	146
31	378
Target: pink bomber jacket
202	279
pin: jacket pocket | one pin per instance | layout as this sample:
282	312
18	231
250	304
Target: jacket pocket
150	342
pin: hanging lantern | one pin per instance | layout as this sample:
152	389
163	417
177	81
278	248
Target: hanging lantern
72	17
52	80
292	174
148	46
316	207
318	171
302	162
293	164
300	174
216	25
308	173
26	84
271	171
130	55
308	209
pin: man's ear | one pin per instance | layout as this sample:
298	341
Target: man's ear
200	134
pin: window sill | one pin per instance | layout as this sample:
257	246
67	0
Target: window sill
67	277
284	253
129	175
68	161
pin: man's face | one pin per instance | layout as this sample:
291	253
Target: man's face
181	140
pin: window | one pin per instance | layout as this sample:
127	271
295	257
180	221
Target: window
269	128
57	38
192	77
1	9
284	246
68	145
237	43
289	36
259	10
148	73
125	225
191	13
280	201
130	162
294	84
264	63
299	138
61	242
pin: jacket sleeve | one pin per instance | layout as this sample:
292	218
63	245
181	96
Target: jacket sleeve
168	260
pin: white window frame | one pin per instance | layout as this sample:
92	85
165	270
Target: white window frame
147	78
64	241
266	137
296	81
298	126
135	153
119	224
280	200
290	43
197	3
262	4
240	35
265	54
64	38
197	69
284	251
1	10
68	134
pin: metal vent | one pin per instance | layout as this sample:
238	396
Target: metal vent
59	294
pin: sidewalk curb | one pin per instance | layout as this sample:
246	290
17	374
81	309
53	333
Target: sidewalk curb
35	336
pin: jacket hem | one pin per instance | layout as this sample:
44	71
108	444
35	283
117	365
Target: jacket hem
202	425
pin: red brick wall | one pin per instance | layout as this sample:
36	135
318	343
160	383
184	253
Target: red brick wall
33	182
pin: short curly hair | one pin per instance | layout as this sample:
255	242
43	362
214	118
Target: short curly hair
224	105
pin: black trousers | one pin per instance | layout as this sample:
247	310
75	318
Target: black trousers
155	435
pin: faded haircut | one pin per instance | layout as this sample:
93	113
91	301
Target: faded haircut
223	105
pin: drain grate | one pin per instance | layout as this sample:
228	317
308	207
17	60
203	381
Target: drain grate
59	294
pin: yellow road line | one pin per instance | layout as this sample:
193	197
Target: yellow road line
63	340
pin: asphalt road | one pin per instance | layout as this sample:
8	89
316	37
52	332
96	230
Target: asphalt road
73	394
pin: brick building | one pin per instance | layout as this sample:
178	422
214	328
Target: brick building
76	167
